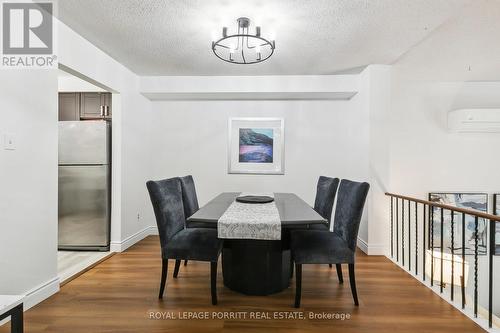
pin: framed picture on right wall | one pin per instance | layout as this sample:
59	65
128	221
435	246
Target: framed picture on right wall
477	201
496	211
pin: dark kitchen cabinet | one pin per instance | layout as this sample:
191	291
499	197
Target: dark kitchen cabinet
69	106
84	106
91	106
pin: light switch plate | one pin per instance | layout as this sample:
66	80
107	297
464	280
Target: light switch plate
9	142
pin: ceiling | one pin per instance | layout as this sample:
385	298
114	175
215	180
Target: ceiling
468	47
168	37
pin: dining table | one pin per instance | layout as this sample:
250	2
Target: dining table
257	266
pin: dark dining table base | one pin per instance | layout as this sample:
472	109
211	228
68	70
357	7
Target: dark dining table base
256	267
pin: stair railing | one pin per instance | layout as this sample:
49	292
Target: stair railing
401	221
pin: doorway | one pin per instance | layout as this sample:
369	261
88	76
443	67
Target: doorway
84	174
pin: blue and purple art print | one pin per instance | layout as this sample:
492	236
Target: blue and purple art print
256	145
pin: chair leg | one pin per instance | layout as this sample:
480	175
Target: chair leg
330	265
352	280
176	269
298	284
185	262
213	281
339	273
164	269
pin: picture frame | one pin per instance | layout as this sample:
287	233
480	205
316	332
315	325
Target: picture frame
256	146
478	201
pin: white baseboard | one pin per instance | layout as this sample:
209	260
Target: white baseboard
41	293
371	249
153	230
131	240
362	245
376	250
37	295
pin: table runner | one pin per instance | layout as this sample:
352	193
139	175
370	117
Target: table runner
250	221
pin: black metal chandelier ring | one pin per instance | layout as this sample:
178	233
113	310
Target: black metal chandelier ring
246	48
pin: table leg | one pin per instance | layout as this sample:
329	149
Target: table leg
256	267
16	319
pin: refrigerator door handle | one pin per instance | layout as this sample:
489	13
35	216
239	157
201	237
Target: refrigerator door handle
102	110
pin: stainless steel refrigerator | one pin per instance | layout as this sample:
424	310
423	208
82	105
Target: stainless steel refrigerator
84	185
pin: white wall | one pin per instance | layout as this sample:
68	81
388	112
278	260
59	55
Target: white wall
249	84
436	158
28	184
338	138
377	89
70	83
321	138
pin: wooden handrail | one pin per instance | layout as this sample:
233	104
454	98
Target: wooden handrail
472	212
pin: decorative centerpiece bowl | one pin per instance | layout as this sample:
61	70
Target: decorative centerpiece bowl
255	199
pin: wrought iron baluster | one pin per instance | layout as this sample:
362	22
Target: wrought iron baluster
392	227
452	253
462	278
416	238
397	229
476	245
403	231
409	235
490	273
431	243
441	244
431	223
423	241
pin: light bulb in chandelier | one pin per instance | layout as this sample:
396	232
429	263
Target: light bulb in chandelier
231	52
257	50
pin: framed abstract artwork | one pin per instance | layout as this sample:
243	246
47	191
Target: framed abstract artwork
256	145
496	211
477	201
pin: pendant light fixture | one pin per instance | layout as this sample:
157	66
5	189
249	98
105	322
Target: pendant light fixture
243	47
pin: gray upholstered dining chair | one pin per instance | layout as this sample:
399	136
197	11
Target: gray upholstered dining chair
325	197
326	189
178	242
190	203
337	247
189	197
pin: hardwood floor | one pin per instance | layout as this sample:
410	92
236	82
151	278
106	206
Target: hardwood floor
120	294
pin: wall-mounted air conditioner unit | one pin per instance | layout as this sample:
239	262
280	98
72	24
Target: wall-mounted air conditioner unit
474	120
